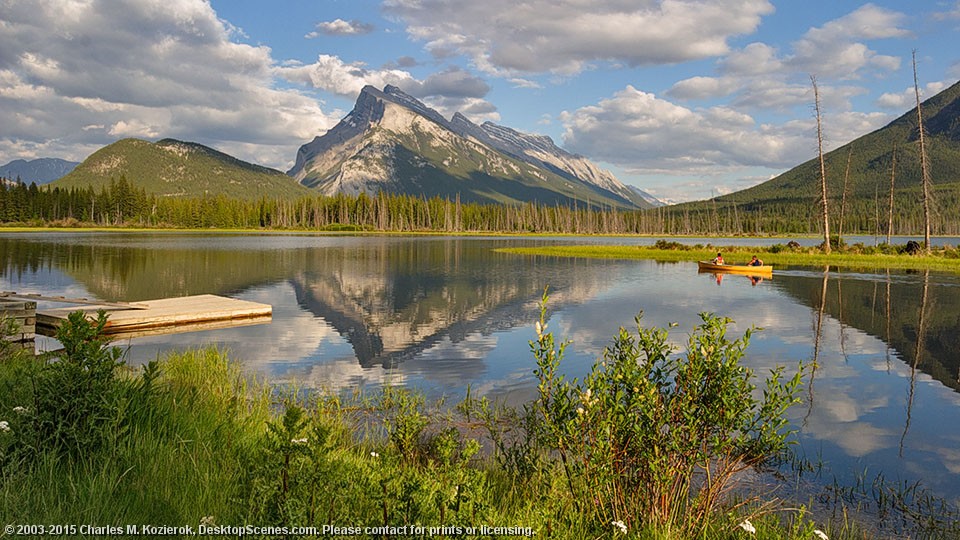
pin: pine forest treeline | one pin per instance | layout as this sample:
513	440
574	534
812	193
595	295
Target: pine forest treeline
120	204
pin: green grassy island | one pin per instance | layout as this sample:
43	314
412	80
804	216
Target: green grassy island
945	259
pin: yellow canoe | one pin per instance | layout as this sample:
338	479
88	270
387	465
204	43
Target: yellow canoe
765	270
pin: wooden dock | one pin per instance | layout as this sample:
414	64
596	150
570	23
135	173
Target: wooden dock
24	312
165	315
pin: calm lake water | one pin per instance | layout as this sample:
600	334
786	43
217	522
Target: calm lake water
440	313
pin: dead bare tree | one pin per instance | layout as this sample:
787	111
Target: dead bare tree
823	168
893	175
924	167
843	195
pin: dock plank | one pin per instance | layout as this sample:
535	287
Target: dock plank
187	310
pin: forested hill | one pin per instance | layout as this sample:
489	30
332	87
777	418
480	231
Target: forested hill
172	168
785	202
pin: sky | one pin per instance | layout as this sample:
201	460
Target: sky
684	99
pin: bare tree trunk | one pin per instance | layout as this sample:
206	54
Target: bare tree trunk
736	215
876	215
893	175
843	195
924	167
823	169
716	217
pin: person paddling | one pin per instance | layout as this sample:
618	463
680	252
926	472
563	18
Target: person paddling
755	262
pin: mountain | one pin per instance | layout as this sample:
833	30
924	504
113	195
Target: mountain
870	159
391	141
172	168
655	202
41	171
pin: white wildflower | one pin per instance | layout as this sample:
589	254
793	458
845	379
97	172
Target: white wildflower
539	327
580	410
374	455
747	526
4	425
820	534
620	525
20	410
299	441
207	521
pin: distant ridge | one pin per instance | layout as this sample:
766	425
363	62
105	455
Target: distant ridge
392	142
172	168
871	157
39	171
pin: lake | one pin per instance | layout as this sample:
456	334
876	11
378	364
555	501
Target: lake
443	313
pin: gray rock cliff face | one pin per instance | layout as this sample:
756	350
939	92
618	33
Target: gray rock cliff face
391	141
367	111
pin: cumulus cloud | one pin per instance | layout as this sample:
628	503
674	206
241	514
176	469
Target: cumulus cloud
451	83
145	68
754	59
908	98
477	110
334	75
762	76
645	134
406	62
518	82
775	94
566	37
704	87
449	91
340	27
834	49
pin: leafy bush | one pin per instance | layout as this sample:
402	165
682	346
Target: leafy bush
888	249
651	438
73	392
670	245
404	420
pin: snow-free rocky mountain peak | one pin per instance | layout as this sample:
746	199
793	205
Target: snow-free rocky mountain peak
41	171
392	142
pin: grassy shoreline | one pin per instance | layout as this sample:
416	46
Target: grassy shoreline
190	440
940	260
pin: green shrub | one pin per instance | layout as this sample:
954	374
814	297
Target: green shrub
74	392
670	245
653	439
404	420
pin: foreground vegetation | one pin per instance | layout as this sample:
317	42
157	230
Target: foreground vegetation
650	444
945	258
